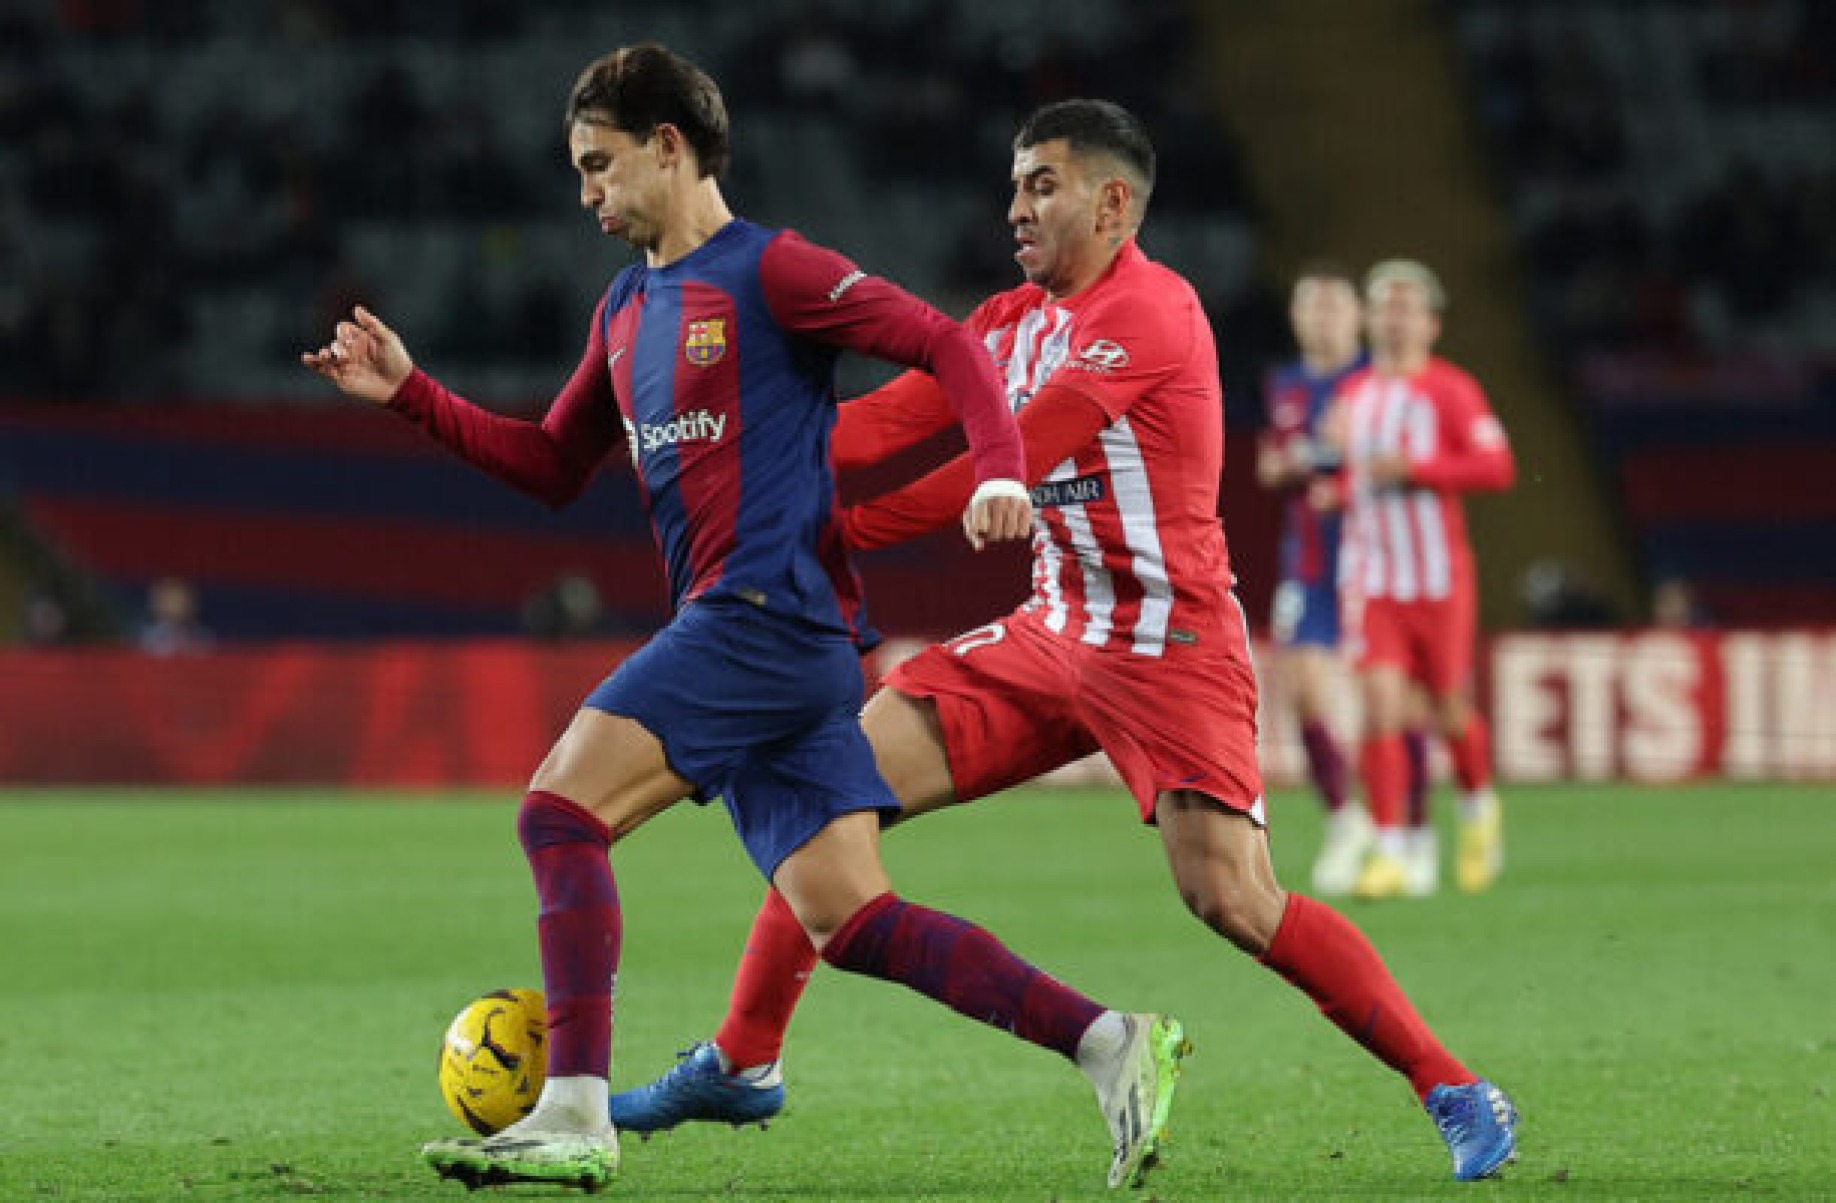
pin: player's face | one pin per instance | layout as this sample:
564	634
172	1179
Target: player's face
1326	316
1401	320
1055	216
621	183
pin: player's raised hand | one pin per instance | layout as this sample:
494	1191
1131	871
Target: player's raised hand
365	358
999	511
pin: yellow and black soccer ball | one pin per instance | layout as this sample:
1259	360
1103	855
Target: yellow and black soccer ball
494	1059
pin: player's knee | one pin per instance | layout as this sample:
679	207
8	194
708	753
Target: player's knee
546	819
1245	917
1452	714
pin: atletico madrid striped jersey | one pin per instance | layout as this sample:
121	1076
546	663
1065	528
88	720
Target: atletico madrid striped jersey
1128	550
717	370
1408	542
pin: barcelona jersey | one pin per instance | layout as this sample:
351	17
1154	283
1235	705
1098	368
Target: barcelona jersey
717	372
1297	402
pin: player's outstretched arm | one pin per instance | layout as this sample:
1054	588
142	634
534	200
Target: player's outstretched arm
900	414
1054	426
365	358
551	460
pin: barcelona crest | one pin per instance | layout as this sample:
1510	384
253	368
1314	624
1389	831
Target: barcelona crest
706	342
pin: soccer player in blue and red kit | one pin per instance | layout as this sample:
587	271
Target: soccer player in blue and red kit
713	362
1326	317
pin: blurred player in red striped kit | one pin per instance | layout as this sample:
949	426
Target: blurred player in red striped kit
1416	433
1327	319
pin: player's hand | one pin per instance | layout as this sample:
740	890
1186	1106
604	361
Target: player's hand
1000	510
365	358
1273	467
1325	495
1388	470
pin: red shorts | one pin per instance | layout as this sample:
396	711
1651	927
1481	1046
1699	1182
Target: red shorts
1016	701
1431	641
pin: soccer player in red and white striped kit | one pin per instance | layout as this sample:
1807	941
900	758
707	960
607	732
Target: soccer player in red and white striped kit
1417	434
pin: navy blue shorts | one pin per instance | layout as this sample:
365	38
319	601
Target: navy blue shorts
1306	614
760	710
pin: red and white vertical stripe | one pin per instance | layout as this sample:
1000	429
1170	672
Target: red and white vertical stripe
1099	569
1397	542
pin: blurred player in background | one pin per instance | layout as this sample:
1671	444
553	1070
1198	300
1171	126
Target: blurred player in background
1328	324
713	360
1132	641
1416	433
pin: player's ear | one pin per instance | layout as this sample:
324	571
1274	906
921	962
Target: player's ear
1113	200
669	144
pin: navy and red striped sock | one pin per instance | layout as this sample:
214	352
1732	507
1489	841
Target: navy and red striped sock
580	929
963	967
1325	763
1415	745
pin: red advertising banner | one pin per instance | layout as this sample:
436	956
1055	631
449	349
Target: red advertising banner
1641	705
362	714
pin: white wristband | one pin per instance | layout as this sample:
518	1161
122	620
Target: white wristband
999	487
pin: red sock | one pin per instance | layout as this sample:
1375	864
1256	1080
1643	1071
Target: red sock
1320	953
1384	762
1472	754
963	967
580	930
772	973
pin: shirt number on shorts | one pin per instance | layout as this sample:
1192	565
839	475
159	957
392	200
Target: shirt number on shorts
986	636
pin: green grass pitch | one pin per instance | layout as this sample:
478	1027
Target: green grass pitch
239	996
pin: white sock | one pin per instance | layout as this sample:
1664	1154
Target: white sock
1475	804
765	1073
1393	842
573	1104
1102	1042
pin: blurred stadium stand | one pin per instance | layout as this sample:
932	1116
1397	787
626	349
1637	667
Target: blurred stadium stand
190	189
1671	169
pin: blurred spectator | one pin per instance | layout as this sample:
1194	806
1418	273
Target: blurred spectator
1675	604
568	609
1556	596
172	626
43	621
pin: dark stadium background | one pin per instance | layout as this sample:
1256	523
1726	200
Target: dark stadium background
1633	205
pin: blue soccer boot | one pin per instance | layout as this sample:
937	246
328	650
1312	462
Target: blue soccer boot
698	1087
1479	1125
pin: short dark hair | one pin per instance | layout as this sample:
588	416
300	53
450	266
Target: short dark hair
1102	126
637	88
